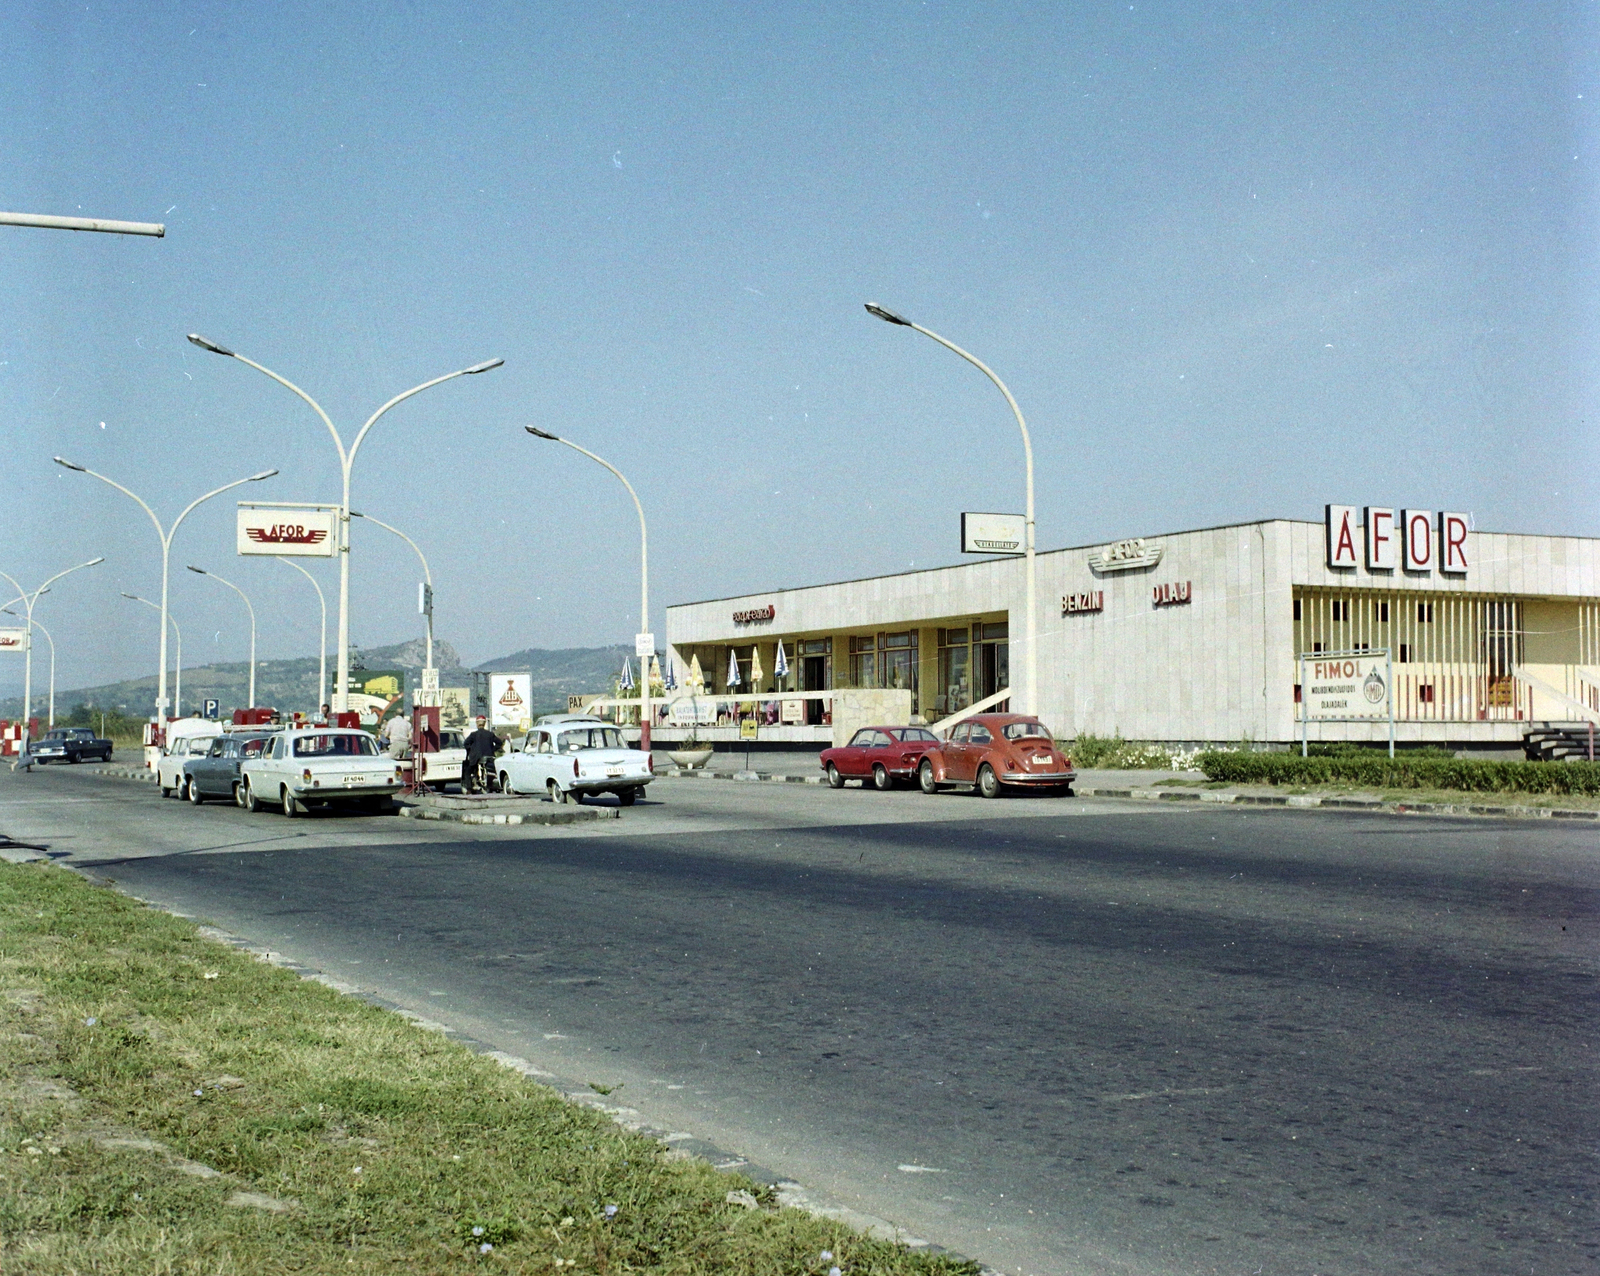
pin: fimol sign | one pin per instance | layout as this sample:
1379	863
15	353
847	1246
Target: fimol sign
299	533
1345	686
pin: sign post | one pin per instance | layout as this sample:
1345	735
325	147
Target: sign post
1346	686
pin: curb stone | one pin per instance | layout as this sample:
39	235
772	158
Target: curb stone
576	815
1376	805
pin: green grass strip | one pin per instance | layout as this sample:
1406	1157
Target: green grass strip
1378	770
170	1105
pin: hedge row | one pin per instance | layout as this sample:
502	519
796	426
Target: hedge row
1378	770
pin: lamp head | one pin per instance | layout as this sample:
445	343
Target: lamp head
133	598
94	562
200	571
887	315
487	366
265	474
61	460
196	339
542	434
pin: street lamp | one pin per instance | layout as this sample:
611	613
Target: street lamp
1031	658
28	600
201	571
426	575
44	221
166	535
644	637
346	461
322	650
52	643
177	690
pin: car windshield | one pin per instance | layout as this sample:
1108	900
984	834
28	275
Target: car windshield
1027	730
335	746
589	738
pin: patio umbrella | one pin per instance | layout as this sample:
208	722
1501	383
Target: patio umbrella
734	680
655	671
756	672
697	676
627	675
670	682
780	667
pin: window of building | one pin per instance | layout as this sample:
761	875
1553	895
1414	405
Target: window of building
897	663
1341	609
1316	647
817	647
863	661
1405	654
1297	609
1361	646
1297	693
1425	693
954	692
1425	613
1380	613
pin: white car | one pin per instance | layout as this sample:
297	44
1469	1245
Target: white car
567	756
180	748
321	767
443	766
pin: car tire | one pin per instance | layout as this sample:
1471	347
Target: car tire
988	781
191	790
291	804
558	795
627	797
505	784
248	798
835	780
881	779
925	780
165	791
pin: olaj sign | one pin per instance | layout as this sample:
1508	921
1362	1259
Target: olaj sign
755	615
1093	600
1172	595
303	533
1417	540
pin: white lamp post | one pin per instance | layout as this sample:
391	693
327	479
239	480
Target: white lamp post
166	535
44	221
1031	656
201	571
426	575
52	643
28	600
177	667
322	649
644	583
347	459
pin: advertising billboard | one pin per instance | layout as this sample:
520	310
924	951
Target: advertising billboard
993	533
1345	686
296	533
510	698
13	639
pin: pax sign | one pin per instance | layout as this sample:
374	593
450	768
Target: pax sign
1384	539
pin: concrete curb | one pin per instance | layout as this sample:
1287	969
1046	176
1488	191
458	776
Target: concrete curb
557	815
1378	805
743	777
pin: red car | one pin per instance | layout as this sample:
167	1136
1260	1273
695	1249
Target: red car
995	751
879	754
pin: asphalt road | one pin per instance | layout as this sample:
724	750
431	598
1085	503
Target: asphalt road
1059	1036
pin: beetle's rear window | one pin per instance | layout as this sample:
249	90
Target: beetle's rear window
1026	731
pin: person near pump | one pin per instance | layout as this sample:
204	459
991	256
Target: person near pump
396	734
481	746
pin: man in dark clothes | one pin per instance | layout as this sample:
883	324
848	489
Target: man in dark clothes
481	745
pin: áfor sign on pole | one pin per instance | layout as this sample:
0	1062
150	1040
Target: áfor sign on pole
14	640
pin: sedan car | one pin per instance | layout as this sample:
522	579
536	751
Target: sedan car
317	769
995	751
439	767
69	744
213	774
879	755
567	757
180	748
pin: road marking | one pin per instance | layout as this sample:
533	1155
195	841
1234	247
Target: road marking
1161	1094
920	1169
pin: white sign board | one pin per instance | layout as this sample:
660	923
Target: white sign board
993	533
13	639
510	694
644	645
1344	686
297	533
693	711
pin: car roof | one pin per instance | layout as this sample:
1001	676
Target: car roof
572	719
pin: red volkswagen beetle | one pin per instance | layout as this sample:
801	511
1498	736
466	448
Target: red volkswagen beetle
995	751
879	755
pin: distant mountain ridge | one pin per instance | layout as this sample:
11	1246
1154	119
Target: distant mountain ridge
292	684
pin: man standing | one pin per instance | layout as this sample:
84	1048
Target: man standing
397	734
481	745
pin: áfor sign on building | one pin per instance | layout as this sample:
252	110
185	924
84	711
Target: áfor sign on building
1415	540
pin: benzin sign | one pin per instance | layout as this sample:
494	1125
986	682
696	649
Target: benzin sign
298	533
1346	686
1093	600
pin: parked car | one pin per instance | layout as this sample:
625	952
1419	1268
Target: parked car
319	768
879	755
569	755
211	773
69	744
994	751
190	738
442	766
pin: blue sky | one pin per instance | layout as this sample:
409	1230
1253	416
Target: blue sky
1234	260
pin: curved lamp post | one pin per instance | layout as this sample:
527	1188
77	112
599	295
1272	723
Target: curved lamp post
201	571
177	665
426	575
166	535
644	578
28	600
347	459
322	651
1031	656
52	643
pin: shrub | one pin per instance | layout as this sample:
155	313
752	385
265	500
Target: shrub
1113	753
1404	771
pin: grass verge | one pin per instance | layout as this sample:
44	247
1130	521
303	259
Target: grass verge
169	1105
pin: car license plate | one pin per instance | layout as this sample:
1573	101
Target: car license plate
613	771
355	779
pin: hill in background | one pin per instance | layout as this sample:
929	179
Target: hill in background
292	684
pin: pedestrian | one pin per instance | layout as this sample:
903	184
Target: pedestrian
397	734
